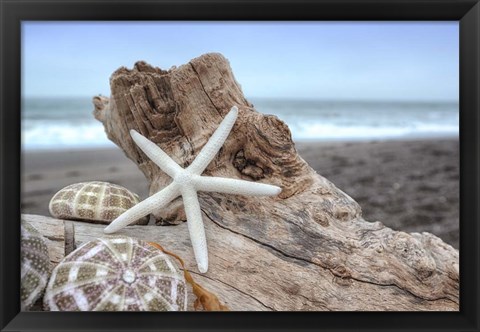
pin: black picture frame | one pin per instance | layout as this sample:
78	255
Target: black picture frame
13	12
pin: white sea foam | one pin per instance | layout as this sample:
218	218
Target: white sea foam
69	123
326	131
59	135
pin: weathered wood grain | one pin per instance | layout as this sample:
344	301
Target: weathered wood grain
248	276
307	249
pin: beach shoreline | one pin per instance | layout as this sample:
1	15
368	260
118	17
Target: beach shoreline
408	184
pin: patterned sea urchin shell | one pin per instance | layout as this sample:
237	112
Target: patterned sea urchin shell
35	265
116	274
95	201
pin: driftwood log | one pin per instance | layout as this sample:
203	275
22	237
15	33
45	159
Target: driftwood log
307	249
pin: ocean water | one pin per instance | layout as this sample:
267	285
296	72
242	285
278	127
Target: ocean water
363	120
56	123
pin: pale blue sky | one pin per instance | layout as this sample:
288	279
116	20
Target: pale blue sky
318	60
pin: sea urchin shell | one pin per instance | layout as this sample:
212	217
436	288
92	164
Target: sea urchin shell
116	274
94	201
35	265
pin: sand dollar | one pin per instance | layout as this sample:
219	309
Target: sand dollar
35	265
116	274
94	201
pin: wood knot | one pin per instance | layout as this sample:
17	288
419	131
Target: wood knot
341	275
343	215
341	271
321	218
253	172
345	208
292	289
248	167
239	162
411	252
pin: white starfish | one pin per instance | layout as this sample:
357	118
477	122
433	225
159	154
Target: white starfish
187	182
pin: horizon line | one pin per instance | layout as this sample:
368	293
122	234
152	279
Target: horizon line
332	99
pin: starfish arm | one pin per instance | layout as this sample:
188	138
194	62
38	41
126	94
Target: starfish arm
195	227
214	144
156	154
234	186
147	206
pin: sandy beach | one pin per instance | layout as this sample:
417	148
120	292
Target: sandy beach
409	185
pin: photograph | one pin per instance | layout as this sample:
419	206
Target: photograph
240	166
